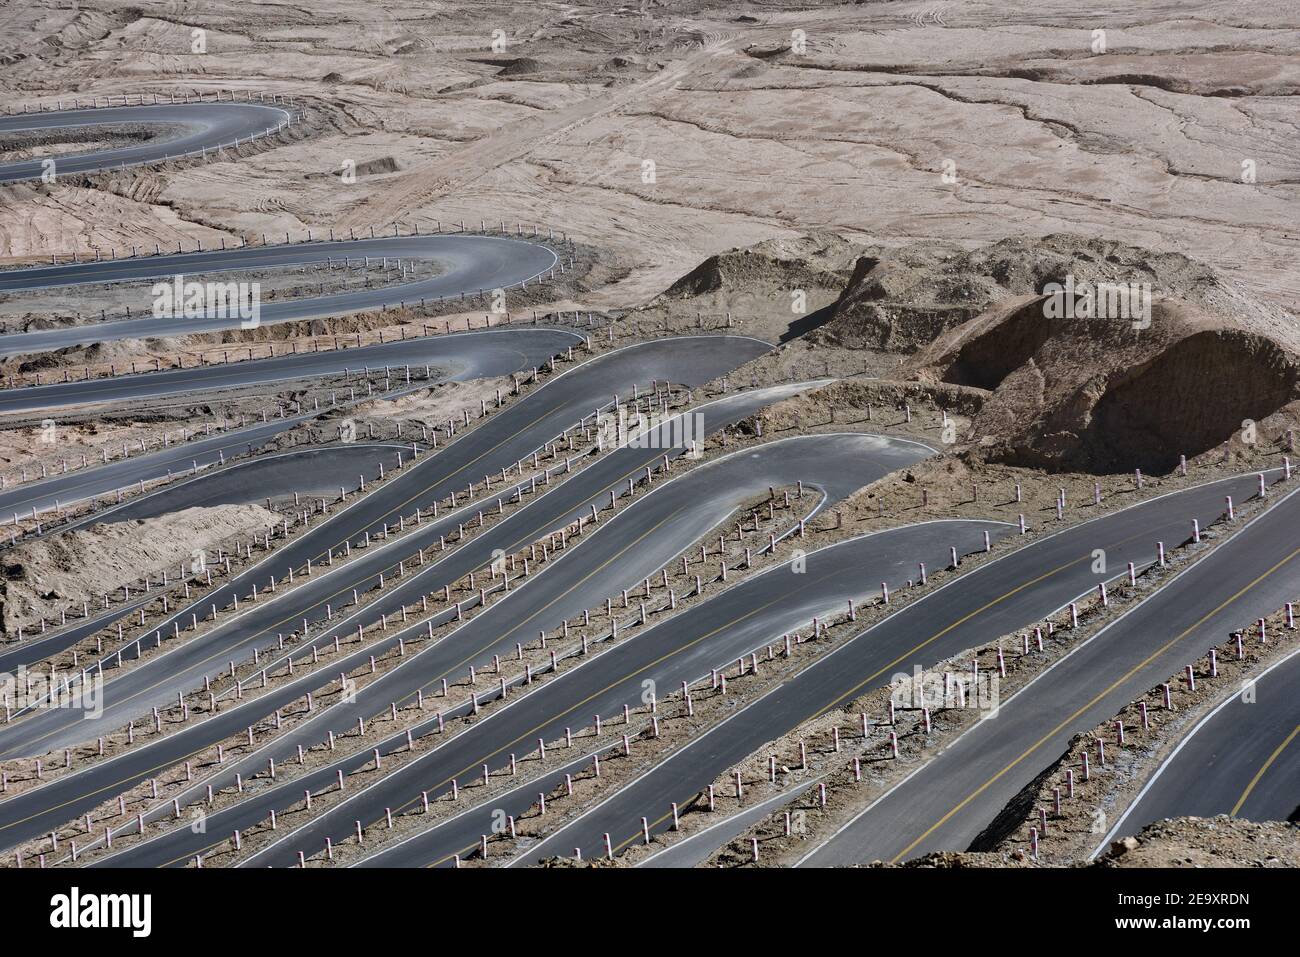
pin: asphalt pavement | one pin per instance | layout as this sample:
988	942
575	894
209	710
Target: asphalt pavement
1241	759
1010	593
173	129
470	267
949	803
649	533
498	442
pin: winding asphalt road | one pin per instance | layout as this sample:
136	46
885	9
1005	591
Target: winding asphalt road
80	485
458	356
176	128
69	795
1241	759
310	472
648	534
741	620
469	264
37	810
998	598
34	649
495	444
316	471
464	356
949	802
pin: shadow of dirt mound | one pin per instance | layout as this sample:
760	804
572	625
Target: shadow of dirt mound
1190	398
808	323
1102	395
988	358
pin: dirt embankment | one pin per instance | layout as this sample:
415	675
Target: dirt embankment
46	575
900	300
1099	395
1092	356
1181	842
777	290
1207	842
1096	356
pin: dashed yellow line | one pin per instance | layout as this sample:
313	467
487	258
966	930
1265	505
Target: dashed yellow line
1277	752
1078	712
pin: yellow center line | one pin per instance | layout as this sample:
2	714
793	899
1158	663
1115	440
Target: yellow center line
1236	808
901	658
896	661
1093	702
909	653
596	694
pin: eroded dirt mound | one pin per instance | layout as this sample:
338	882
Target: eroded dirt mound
902	299
1102	395
384	164
43	577
780	288
817	257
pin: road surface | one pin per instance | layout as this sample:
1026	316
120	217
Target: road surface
749	616
468	264
497	443
648	534
949	802
998	598
1241	759
176	129
54	802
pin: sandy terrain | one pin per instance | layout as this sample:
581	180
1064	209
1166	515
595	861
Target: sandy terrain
44	576
1207	842
892	160
750	140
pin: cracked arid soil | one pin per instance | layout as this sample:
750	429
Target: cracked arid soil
887	123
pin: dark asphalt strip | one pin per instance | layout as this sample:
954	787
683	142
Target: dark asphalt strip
1242	759
497	443
949	801
996	599
470	266
686	648
644	537
39	809
462	355
181	128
